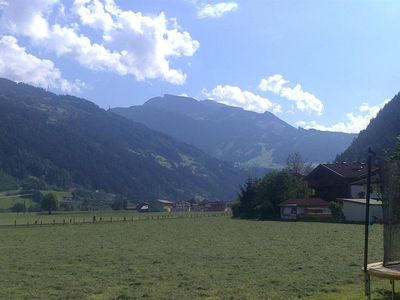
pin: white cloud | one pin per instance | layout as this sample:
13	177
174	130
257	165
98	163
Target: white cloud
234	96
94	14
272	83
26	17
355	121
18	65
305	101
131	43
66	41
216	10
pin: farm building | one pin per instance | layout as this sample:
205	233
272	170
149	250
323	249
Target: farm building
142	207
163	205
332	181
354	209
303	208
182	206
211	206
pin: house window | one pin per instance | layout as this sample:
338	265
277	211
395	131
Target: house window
294	210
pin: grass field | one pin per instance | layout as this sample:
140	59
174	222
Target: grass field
6	201
77	217
187	258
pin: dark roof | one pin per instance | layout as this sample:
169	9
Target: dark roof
374	179
305	202
346	170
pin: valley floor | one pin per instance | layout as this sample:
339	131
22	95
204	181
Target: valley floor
187	258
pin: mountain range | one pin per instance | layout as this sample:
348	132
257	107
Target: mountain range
246	138
68	142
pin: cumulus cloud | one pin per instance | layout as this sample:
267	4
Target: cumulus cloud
304	101
95	13
216	10
18	65
131	43
235	96
355	121
26	17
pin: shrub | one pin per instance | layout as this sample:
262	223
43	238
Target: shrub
336	210
18	207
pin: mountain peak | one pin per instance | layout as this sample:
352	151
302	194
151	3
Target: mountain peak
233	134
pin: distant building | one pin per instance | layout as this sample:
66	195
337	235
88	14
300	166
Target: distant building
292	209
207	205
142	207
354	210
162	205
182	206
332	181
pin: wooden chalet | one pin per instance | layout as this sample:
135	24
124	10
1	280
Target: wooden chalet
332	181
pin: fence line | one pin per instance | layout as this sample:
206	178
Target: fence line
104	220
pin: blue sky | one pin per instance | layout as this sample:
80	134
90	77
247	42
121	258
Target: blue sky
329	65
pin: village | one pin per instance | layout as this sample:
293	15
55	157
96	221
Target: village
342	183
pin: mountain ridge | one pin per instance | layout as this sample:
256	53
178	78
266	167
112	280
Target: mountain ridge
67	141
380	134
233	134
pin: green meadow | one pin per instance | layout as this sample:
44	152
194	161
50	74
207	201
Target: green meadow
186	258
7	201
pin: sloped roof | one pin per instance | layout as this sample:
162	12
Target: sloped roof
348	170
345	170
164	201
374	179
305	202
361	201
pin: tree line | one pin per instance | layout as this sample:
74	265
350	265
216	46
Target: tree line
260	198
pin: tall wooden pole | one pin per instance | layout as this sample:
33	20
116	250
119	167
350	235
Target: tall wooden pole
367	284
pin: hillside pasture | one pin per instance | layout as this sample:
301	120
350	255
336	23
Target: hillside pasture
7	201
187	258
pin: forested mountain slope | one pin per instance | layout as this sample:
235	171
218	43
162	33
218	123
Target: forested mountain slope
380	134
246	138
67	141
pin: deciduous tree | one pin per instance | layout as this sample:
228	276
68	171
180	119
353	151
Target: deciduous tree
49	202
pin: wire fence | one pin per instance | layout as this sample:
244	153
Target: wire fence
104	219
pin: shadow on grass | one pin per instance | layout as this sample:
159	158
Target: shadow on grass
385	294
